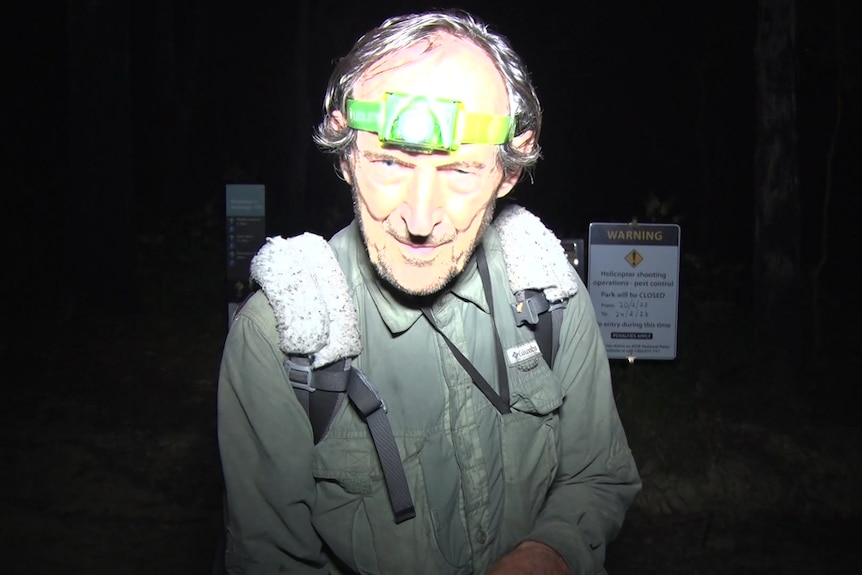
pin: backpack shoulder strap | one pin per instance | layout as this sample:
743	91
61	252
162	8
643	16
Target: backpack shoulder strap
308	292
317	328
540	275
548	319
319	335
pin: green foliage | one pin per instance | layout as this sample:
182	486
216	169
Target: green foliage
658	210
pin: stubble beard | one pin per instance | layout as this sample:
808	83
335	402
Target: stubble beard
384	271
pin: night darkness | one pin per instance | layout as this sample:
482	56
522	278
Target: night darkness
641	101
123	121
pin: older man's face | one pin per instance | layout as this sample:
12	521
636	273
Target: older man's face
422	215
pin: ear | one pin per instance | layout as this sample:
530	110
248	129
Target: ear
345	172
337	121
523	142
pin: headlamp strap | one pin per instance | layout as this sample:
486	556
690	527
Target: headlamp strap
487	129
365	115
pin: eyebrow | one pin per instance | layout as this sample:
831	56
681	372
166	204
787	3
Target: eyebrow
459	165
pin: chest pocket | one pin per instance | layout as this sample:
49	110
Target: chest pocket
534	388
530	445
353	514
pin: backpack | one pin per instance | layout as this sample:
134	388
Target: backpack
319	331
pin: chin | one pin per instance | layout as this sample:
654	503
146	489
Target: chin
420	288
424	285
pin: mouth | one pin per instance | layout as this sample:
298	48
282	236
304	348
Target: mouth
413	250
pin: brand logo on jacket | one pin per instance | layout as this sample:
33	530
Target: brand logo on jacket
525	356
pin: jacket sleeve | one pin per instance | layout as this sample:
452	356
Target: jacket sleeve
597	479
266	447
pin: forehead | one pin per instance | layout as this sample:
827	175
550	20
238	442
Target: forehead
444	67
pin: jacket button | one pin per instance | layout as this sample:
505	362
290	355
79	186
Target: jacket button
480	537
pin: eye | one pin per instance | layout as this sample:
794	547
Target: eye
387	170
388	163
458	171
462	180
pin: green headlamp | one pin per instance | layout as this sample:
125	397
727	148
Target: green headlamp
423	124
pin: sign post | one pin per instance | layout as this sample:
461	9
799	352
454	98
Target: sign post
574	248
245	212
634	285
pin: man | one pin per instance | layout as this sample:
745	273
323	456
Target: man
512	467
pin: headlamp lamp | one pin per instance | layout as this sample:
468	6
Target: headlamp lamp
422	124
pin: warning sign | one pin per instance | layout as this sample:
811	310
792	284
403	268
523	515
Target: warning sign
634	284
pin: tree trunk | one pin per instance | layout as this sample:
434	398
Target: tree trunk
289	212
99	214
778	290
300	119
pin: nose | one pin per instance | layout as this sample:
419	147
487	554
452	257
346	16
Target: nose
422	209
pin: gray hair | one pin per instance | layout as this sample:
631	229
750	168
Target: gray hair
404	31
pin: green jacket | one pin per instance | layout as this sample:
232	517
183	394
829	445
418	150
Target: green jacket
557	469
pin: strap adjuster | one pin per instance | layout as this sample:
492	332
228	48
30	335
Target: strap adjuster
367	405
527	309
300	375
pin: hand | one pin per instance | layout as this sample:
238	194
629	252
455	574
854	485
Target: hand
530	558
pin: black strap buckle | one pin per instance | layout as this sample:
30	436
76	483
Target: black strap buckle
527	310
364	395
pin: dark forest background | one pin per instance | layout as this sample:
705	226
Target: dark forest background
124	120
